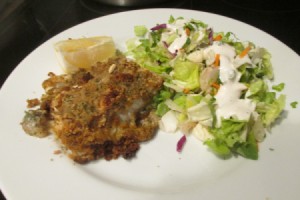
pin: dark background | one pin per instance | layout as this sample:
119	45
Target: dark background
25	24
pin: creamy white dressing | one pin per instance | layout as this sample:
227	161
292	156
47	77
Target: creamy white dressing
227	71
229	93
240	108
178	43
228	99
201	35
222	49
177	27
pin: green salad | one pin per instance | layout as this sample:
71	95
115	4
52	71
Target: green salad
216	87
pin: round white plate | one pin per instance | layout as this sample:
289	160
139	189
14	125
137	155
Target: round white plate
30	170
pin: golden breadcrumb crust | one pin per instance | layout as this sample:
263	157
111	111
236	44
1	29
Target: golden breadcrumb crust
104	112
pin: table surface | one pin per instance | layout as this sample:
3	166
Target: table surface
25	24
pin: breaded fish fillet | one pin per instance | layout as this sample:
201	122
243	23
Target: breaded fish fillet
104	112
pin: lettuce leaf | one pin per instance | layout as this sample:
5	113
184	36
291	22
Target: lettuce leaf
249	149
188	72
229	139
219	147
270	111
140	31
278	87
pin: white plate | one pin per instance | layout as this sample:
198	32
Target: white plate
30	170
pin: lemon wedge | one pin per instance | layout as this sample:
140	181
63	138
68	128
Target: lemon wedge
73	54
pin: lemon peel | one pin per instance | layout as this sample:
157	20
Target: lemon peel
74	54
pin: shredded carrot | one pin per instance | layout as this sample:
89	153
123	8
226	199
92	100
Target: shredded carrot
186	90
215	85
187	31
218	38
245	51
217	60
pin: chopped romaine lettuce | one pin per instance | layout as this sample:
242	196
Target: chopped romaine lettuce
278	87
294	104
140	31
188	73
270	111
249	149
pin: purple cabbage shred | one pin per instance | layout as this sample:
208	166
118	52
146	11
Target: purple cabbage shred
181	143
159	26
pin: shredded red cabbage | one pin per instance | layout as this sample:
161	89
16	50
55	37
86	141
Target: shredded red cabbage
165	44
159	26
181	143
210	35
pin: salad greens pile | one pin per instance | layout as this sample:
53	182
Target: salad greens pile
216	87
